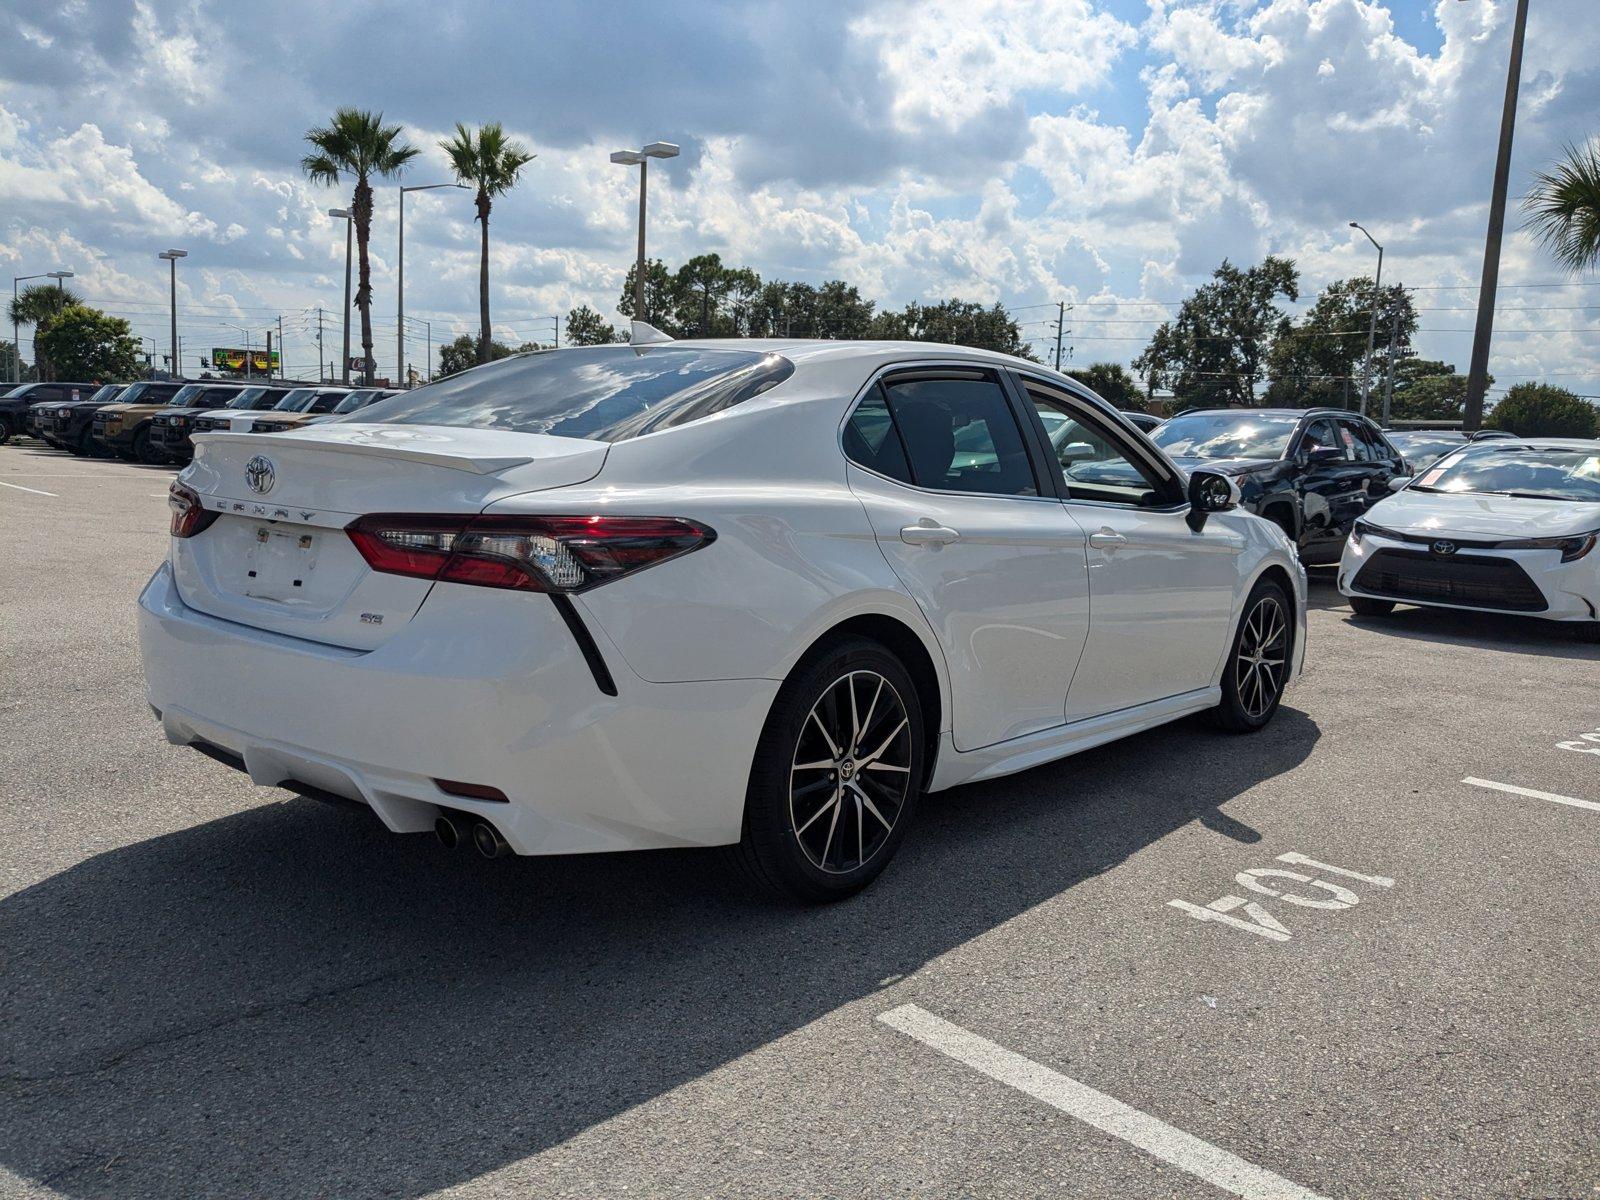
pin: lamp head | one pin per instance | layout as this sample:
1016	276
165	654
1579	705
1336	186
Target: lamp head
661	150
627	158
339	212
60	274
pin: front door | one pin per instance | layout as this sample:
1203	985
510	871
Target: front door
1161	595
939	460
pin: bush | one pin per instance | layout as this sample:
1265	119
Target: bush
1543	410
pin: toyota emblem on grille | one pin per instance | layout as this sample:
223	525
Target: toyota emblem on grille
1443	549
258	473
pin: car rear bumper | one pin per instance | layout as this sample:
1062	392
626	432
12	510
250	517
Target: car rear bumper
479	687
1559	591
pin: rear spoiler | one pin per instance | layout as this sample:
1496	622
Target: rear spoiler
410	443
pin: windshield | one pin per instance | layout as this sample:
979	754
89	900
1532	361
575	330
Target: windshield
358	399
106	394
324	402
135	390
295	400
186	396
605	393
246	398
1242	434
17	391
1532	472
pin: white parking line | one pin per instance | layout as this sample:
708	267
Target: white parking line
35	491
1103	1112
1521	791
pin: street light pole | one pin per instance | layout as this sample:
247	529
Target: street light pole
349	229
172	257
400	288
16	335
1478	372
641	159
1372	325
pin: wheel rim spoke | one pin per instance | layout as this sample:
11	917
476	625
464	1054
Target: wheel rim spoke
874	785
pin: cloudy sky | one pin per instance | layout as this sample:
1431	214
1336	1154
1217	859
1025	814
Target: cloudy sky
1104	152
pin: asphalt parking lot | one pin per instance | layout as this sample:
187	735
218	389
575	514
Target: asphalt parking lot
212	989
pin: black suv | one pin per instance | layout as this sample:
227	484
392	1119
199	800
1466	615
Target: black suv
170	428
64	423
1312	471
16	405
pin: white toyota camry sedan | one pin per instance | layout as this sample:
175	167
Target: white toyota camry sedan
700	593
1498	526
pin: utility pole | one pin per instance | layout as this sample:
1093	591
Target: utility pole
322	374
1394	343
1061	322
1478	373
282	357
269	354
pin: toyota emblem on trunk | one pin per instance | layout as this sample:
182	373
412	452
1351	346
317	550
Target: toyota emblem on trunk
258	473
1443	549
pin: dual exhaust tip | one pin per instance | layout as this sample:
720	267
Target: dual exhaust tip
452	829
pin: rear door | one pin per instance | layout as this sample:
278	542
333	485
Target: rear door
940	462
1161	594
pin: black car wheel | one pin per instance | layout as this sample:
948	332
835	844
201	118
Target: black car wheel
1258	661
144	451
836	777
5	430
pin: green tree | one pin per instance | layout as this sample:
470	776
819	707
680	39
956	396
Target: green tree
1564	207
359	145
464	354
491	163
1318	361
8	366
1544	410
585	327
84	343
38	305
1113	383
1428	389
660	296
956	323
1215	351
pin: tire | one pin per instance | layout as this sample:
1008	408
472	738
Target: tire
785	851
5	430
1258	661
144	451
1365	606
84	446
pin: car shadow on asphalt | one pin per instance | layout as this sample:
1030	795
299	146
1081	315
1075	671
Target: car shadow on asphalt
1448	626
291	1001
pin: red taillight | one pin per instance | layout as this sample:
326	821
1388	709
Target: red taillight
189	517
538	554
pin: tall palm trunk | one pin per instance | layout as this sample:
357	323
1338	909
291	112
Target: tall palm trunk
483	279
361	209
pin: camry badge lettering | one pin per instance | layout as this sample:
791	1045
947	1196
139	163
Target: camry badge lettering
372	618
260	474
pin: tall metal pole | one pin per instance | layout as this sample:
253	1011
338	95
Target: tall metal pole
1372	331
282	357
1478	373
1388	377
173	263
16	338
1061	320
400	302
639	313
322	373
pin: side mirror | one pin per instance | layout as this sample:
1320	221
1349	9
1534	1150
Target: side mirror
1396	482
1210	492
1324	454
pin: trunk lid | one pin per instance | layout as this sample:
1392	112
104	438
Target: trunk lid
277	556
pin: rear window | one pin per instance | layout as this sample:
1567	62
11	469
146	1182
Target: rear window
603	393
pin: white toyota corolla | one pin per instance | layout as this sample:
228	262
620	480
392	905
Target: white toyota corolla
697	593
1499	526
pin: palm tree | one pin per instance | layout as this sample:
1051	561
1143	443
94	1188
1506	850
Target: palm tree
37	306
1564	207
360	145
492	164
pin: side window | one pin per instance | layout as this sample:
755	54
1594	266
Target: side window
1095	464
870	439
1356	446
960	436
1321	435
1378	450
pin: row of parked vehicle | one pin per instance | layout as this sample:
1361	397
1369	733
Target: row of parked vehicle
152	421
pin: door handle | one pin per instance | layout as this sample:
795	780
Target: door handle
1106	538
928	532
